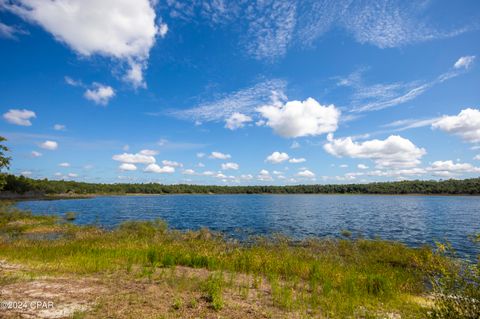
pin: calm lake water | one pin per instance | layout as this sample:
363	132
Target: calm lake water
414	220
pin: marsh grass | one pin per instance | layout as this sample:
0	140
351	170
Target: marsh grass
14	222
332	278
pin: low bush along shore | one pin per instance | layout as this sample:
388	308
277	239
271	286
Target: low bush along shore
145	270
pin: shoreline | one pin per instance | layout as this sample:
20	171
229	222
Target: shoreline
20	197
89	272
45	189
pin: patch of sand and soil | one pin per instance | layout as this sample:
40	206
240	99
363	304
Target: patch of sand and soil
24	295
167	293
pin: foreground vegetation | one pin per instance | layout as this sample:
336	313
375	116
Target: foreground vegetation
163	273
21	185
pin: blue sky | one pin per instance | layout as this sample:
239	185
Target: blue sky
241	92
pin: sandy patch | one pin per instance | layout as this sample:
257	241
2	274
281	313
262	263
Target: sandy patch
47	297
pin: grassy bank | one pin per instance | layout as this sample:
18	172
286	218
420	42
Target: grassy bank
163	273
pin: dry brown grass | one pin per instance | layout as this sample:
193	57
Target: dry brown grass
167	293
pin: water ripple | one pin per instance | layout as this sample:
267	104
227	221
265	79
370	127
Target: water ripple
414	220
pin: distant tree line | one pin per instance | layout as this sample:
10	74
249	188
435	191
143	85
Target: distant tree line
21	185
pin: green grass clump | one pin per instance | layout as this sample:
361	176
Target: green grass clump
177	303
213	288
282	294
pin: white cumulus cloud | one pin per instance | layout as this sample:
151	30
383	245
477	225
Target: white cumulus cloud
277	157
65	164
134	75
36	154
220	175
466	125
219	155
49	145
394	151
127	167
188	171
19	117
306	173
124	30
162	30
230	165
134	158
246	177
99	93
264	176
154	168
449	168
297	160
297	118
172	163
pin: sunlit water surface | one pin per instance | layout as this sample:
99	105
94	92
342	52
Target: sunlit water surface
414	220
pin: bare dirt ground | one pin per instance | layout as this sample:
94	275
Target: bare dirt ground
26	296
168	293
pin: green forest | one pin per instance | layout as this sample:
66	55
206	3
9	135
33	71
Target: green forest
22	185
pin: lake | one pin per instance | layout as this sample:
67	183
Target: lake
414	220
